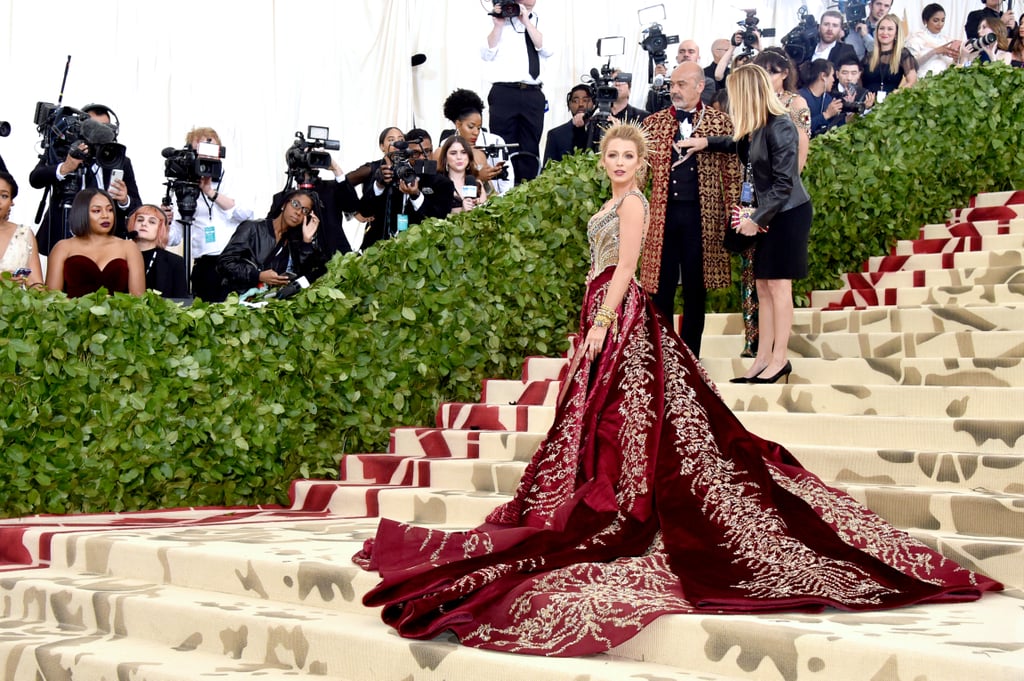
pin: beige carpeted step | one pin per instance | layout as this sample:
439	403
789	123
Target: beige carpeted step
887	319
991	436
933	261
995	294
962	344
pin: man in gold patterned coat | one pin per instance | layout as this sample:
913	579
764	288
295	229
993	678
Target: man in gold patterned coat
691	200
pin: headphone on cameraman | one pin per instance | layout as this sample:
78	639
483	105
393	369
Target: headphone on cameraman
103	109
582	86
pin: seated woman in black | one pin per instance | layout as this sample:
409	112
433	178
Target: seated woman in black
274	252
93	258
165	271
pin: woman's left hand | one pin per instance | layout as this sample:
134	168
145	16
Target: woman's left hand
747	227
692	145
594	341
309	227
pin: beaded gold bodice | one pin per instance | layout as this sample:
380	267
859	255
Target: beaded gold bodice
603	235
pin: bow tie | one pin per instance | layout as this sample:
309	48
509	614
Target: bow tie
684	116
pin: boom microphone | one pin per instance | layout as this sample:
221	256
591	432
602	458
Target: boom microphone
95	132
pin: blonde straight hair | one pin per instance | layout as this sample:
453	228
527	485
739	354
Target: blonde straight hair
751	99
897	45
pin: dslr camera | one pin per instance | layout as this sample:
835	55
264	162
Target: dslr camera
751	34
855	11
302	156
64	128
403	167
505	9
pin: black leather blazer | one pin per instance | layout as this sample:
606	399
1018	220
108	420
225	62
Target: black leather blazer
774	162
254	244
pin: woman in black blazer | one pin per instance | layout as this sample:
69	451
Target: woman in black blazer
766	141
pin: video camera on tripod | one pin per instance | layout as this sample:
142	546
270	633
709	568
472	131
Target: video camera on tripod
752	34
184	169
602	84
655	43
303	158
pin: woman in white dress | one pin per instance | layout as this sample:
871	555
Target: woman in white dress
18	252
934	50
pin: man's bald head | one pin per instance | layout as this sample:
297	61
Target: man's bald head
686	85
688	51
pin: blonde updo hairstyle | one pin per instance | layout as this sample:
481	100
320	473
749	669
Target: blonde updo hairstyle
629	133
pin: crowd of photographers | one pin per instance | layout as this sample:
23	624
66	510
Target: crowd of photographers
846	61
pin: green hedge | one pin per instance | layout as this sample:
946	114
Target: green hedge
121	403
117	403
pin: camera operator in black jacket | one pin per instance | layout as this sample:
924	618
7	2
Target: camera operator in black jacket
275	251
81	169
392	203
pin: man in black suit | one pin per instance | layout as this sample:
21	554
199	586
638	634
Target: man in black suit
829	46
571	135
64	178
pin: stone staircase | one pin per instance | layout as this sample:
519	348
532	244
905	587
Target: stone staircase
906	392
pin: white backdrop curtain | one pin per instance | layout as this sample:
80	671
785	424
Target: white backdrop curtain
258	70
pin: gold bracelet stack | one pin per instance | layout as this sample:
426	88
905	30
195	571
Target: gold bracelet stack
606	317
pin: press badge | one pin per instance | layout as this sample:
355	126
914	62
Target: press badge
403	222
747	193
210	234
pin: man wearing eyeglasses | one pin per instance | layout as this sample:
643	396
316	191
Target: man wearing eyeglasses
274	252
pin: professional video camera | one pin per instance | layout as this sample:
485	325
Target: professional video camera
403	167
303	157
184	169
801	42
505	9
855	11
602	85
751	33
64	128
655	42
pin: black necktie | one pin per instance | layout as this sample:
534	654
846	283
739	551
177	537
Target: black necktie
531	54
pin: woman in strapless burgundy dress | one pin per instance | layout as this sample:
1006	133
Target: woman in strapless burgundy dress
94	258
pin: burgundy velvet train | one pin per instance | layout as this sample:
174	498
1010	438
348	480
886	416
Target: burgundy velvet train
648	497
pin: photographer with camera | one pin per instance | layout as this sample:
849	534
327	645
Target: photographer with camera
571	136
92	159
392	199
275	252
856	100
861	34
514	50
830	47
197	197
621	108
992	9
337	196
819	76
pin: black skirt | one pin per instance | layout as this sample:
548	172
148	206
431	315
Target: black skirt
781	252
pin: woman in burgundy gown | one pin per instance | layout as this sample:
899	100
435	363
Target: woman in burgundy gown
648	497
94	258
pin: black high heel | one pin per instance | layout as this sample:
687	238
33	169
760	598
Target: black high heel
784	371
746	379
